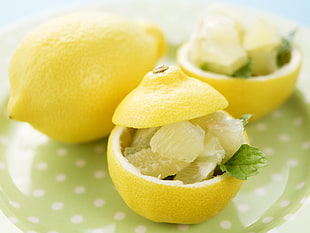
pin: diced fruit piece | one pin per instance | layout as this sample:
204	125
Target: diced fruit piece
216	45
222	58
213	148
142	137
261	41
217	28
204	121
152	164
202	168
230	134
182	141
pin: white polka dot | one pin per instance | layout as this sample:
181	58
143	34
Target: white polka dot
140	229
298	121
300	186
292	163
261	126
42	166
2	165
57	206
61	151
38	193
98	231
289	217
284	203
33	219
77	219
267	219
273	231
277	177
99	174
80	163
307	99
4	140
306	145
260	192
79	189
31	232
226	224
243	208
99	202
276	114
119	216
305	201
183	227
15	204
13	220
99	149
284	137
60	177
268	150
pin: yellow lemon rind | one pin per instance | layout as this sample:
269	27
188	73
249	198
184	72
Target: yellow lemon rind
258	95
167	201
161	102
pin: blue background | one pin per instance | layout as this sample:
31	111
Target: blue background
14	11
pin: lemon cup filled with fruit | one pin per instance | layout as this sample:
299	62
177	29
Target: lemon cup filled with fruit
246	59
174	155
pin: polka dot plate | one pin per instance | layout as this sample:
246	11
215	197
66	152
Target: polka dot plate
51	187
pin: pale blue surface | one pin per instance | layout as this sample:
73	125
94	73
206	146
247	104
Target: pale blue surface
14	11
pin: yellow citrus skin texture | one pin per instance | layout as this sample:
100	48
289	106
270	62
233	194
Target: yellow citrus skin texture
68	75
167	201
258	95
166	95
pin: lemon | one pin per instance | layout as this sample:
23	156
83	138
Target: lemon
258	95
166	200
176	105
167	96
68	75
245	64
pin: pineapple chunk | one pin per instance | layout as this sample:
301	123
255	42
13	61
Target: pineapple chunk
261	41
152	164
216	45
182	141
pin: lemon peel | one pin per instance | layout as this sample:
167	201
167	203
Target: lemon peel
258	95
164	96
166	200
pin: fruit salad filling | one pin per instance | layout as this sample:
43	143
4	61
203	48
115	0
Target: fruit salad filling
194	150
223	43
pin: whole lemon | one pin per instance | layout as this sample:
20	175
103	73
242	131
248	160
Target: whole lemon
68	75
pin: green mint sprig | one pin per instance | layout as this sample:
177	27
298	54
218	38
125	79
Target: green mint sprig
285	49
245	162
245	118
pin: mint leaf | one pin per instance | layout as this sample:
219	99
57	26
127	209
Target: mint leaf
245	162
245	118
204	66
284	52
245	71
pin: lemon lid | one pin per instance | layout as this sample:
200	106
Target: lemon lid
167	95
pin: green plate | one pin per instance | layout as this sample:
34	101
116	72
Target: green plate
51	187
